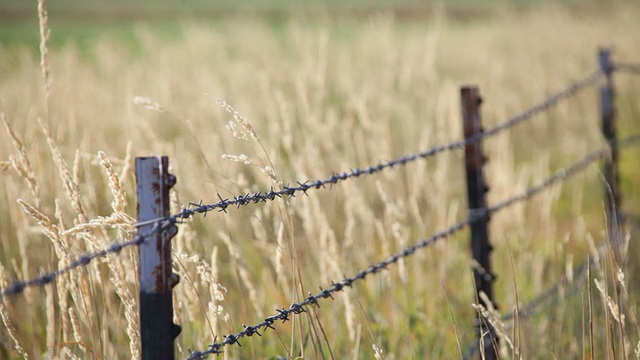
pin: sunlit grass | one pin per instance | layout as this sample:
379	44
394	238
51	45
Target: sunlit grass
312	97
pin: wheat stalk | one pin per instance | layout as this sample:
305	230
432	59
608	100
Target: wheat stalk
117	190
71	187
21	163
13	334
45	33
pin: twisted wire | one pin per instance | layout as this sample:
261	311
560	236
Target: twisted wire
477	214
544	105
242	200
566	172
298	308
530	307
303	187
83	260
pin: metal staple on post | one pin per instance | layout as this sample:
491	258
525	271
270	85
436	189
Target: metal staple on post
157	330
476	190
610	164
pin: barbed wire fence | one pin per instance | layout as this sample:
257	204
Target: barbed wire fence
567	284
161	224
297	308
158	226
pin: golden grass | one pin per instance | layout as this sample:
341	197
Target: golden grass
299	102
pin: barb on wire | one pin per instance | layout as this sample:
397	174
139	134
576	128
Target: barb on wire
303	187
530	308
296	308
628	68
19	286
246	199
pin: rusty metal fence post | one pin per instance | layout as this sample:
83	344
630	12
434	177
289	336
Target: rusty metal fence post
157	330
610	165
476	190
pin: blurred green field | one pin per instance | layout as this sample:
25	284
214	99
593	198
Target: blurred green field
326	88
84	22
151	6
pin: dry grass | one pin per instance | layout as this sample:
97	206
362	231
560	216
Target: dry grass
300	101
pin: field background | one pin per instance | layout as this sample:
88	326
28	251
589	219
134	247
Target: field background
325	88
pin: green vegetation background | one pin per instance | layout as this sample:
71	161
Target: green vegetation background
83	21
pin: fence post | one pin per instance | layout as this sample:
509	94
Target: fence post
157	330
476	190
610	165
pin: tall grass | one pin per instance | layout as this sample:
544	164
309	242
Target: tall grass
243	106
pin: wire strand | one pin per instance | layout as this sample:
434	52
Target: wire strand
532	307
303	187
83	260
243	200
297	308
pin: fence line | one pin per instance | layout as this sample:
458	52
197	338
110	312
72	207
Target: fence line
162	224
83	260
297	308
303	187
530	308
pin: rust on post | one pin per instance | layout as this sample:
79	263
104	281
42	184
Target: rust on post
157	330
610	165
476	191
470	104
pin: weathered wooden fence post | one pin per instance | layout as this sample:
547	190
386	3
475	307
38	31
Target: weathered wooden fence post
476	190
610	166
157	330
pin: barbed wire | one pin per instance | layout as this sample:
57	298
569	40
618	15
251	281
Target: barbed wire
242	200
303	187
18	287
162	224
531	308
534	305
628	68
298	308
567	172
477	214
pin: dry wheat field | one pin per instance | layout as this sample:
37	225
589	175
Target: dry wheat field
243	104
